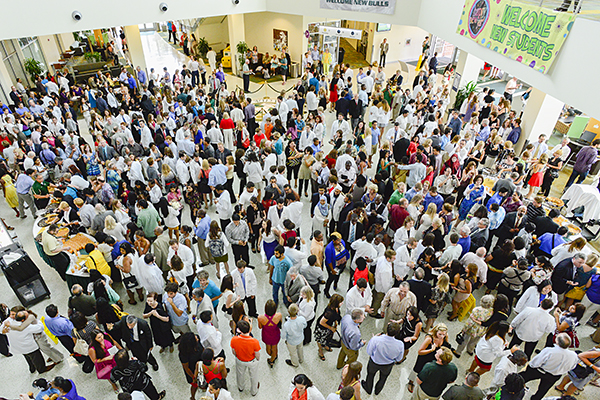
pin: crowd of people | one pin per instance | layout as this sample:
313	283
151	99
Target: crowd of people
196	205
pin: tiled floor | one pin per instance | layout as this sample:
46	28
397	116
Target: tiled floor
274	382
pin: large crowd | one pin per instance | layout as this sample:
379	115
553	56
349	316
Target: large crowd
191	192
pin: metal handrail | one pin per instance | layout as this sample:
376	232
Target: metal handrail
577	8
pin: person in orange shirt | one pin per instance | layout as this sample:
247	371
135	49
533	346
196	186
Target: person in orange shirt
246	350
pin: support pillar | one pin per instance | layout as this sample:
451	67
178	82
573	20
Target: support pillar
540	116
5	84
50	49
468	66
236	27
134	43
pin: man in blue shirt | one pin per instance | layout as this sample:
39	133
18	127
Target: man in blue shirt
351	337
314	82
497	198
433	197
209	287
484	133
23	186
465	239
201	232
176	306
279	265
60	327
455	123
217	174
549	241
384	351
141	76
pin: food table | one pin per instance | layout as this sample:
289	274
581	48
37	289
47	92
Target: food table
583	195
76	273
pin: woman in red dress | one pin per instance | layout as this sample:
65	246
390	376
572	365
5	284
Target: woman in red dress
333	93
537	174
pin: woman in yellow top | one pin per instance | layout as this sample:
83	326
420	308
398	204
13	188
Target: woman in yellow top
327	59
96	260
10	193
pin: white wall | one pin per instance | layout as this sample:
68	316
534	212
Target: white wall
397	37
259	31
216	34
45	17
571	79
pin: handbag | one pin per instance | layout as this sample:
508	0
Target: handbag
335	342
583	371
81	346
460	337
572	334
130	282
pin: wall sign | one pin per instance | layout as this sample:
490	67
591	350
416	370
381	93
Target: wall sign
526	33
373	6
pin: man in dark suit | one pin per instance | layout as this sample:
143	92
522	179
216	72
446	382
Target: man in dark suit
400	148
348	206
101	105
545	223
511	225
342	105
136	334
316	198
30	146
352	230
355	109
420	288
106	152
564	274
480	235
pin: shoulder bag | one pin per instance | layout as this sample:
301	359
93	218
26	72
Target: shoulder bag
81	346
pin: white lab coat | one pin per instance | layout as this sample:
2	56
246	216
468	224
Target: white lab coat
250	283
531	298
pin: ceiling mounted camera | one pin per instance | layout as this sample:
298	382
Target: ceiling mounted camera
76	15
163	7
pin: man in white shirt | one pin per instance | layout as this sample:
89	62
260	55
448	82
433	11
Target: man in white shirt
384	280
23	342
395	133
380	77
293	212
452	252
369	83
312	102
564	147
477	258
52	87
359	296
405	259
187	257
343	159
282	110
209	335
363	248
507	365
540	147
340	124
224	208
550	365
181	169
248	193
532	324
211	55
244	282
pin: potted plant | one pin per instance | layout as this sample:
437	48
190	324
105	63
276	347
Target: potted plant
464	93
242	49
93	56
202	47
33	68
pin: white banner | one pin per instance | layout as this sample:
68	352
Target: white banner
373	6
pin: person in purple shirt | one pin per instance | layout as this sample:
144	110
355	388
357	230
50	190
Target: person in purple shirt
433	197
67	388
60	327
220	74
584	161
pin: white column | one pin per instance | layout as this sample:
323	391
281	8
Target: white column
134	42
468	66
236	27
6	82
50	49
540	116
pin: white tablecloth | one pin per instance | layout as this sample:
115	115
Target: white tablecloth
583	195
